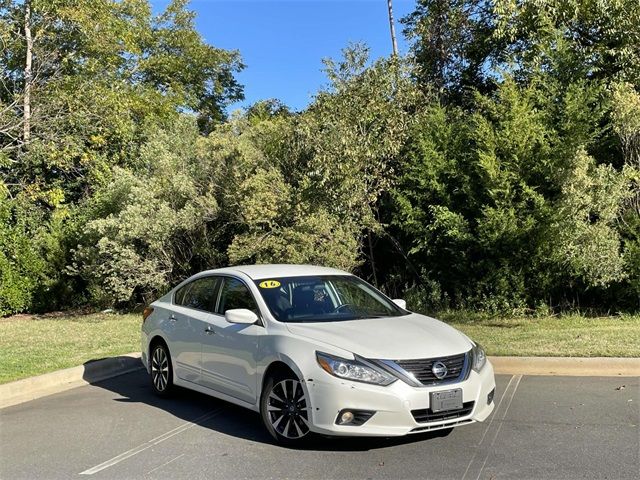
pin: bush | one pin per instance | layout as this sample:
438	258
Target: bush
143	226
23	267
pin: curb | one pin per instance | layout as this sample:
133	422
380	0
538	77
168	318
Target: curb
567	366
92	371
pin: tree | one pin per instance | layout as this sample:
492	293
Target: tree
597	39
453	45
28	74
83	84
176	59
626	124
84	96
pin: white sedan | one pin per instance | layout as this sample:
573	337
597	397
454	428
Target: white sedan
314	350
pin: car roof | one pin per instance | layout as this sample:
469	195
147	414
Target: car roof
258	272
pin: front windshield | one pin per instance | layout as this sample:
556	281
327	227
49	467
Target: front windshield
325	298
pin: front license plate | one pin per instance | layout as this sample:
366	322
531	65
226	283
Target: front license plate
447	400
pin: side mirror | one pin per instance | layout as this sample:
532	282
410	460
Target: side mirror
240	315
400	302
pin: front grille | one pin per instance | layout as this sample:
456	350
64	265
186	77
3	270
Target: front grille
422	368
426	415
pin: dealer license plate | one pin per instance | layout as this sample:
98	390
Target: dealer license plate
446	400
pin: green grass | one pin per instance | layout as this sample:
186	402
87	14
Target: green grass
31	345
558	336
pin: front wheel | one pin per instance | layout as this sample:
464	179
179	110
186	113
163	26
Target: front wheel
161	372
285	409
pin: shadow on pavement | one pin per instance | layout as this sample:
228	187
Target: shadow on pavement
233	420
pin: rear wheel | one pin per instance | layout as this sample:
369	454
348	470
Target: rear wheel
161	372
285	409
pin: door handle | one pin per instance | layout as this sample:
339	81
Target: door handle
172	318
209	331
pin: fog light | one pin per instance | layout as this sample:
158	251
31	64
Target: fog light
353	418
490	396
346	417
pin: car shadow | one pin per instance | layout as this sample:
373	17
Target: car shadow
230	419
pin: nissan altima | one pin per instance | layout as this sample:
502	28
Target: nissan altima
314	350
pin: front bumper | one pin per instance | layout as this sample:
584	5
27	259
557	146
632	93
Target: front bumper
393	404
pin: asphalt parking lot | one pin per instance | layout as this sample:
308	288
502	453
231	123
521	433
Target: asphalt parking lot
542	427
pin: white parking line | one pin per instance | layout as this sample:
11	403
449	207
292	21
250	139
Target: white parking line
513	394
510	389
165	463
151	443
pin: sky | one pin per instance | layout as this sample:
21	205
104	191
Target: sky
283	42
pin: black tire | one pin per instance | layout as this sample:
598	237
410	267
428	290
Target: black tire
285	409
161	373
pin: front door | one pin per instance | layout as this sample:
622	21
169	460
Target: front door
229	350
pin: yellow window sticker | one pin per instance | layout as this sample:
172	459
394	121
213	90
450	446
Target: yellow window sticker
269	284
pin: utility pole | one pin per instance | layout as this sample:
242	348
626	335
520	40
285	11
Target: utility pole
28	75
392	28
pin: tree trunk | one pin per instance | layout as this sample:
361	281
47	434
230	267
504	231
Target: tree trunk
373	262
28	75
392	28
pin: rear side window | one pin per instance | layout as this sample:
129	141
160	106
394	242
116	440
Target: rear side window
200	294
235	294
178	297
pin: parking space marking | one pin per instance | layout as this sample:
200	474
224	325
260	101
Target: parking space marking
165	463
154	441
504	415
510	389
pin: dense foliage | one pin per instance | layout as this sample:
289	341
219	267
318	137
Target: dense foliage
497	167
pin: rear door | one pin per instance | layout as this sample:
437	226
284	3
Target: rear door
193	305
229	350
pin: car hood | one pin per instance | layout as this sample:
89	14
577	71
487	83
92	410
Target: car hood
390	338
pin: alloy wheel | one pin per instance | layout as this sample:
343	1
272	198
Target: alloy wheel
287	408
160	369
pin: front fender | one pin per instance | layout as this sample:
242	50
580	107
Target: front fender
299	354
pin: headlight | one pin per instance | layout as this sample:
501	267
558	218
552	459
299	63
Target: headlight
479	358
356	370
